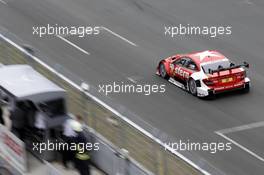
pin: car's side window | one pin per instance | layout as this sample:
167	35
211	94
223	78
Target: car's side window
180	61
190	64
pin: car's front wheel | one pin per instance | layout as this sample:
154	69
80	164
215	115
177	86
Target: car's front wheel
163	72
192	87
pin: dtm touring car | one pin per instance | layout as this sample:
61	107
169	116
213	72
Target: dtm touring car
205	73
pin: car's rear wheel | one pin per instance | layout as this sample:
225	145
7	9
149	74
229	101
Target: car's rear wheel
192	87
163	72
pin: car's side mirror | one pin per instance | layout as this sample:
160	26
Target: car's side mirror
173	57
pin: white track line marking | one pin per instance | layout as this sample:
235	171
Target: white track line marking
240	146
248	2
132	80
74	45
3	2
241	128
119	36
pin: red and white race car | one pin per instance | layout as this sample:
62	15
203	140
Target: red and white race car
204	73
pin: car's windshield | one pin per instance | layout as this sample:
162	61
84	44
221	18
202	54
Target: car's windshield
216	65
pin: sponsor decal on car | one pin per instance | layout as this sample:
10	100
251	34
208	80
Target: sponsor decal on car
228	87
182	72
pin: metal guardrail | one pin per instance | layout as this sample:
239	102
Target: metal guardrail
51	170
6	168
111	159
146	146
4	171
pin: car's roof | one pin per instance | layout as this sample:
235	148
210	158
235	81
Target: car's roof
23	81
206	56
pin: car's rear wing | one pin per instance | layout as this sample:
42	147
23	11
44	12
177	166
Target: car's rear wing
232	66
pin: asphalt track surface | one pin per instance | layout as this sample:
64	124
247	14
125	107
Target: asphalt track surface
111	58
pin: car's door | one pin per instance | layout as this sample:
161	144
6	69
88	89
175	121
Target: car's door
178	70
189	68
